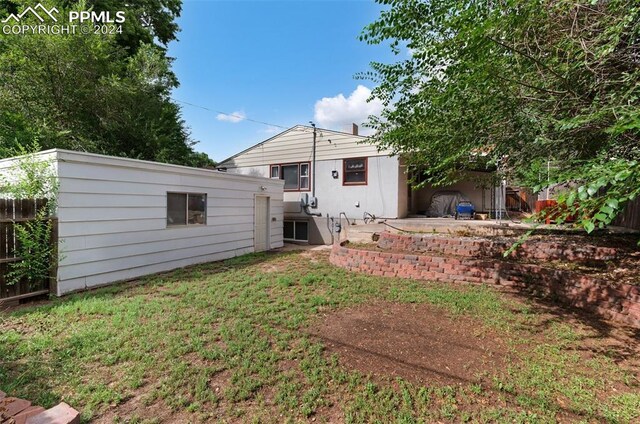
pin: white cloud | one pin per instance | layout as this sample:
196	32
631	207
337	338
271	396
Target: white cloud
233	117
271	129
339	111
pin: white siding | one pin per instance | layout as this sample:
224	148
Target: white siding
112	218
296	145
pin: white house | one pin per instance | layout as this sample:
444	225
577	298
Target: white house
352	179
122	218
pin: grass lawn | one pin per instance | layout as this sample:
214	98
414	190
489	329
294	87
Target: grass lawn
230	342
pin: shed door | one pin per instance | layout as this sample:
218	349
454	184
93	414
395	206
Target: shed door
261	230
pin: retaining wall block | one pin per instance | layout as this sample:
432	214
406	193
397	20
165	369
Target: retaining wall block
620	303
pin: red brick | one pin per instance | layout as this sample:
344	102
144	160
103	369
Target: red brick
633	309
447	267
10	406
22	417
474	280
60	414
581	291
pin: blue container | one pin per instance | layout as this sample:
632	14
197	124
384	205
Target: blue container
465	210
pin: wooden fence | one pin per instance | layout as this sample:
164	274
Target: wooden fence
12	213
630	217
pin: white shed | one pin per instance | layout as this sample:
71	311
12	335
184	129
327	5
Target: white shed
123	218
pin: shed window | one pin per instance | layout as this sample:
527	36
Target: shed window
275	171
354	171
296	230
186	209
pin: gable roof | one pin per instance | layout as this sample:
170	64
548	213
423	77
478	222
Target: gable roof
262	142
344	139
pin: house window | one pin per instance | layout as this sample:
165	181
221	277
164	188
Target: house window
296	230
304	176
291	177
186	209
354	171
295	175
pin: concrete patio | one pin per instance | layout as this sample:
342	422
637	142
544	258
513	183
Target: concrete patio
360	232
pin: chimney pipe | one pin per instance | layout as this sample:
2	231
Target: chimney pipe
354	129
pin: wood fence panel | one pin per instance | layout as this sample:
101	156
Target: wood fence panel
630	217
16	212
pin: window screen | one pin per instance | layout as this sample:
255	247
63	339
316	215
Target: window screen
302	230
304	176
197	209
176	209
290	176
289	230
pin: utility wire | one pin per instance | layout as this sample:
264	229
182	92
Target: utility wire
242	118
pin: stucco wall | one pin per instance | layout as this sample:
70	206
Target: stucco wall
379	197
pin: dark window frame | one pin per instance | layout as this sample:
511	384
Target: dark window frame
187	224
366	172
281	177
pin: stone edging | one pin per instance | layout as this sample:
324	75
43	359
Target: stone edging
620	303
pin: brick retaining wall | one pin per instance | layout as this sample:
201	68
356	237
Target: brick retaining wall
478	247
620	303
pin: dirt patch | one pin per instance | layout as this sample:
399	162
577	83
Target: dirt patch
137	409
219	381
420	343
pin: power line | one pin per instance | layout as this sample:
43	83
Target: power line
240	117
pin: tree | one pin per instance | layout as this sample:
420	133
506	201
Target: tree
526	82
106	94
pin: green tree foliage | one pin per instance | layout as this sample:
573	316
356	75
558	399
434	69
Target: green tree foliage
35	249
526	82
99	93
32	178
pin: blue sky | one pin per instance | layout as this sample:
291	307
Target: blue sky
273	61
